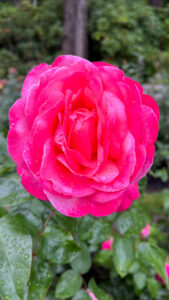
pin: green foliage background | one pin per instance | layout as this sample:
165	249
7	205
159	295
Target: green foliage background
43	254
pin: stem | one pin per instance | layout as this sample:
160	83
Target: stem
84	283
40	233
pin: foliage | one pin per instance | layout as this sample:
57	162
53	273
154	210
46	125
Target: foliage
131	34
29	34
46	255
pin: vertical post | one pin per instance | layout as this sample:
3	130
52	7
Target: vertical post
75	27
81	29
157	3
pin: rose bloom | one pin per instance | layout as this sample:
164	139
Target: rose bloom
82	136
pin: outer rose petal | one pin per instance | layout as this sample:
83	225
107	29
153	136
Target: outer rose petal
78	207
132	193
19	131
149	101
32	183
32	79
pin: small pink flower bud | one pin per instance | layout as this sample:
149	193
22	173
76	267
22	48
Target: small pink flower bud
159	279
92	296
167	268
146	230
107	245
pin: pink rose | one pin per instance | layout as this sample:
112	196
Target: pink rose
82	136
107	245
146	230
92	296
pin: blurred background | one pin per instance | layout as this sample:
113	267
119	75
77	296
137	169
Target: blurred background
134	35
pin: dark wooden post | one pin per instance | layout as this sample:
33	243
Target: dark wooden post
75	27
157	3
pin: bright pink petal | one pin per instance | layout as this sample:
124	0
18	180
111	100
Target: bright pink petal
33	184
150	125
92	296
32	79
19	131
107	173
78	207
107	245
63	180
130	194
149	101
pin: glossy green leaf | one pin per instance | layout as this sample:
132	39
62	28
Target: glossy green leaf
81	295
142	184
40	279
82	262
104	258
12	191
153	256
31	214
153	287
15	258
134	267
123	254
3	212
57	234
131	223
58	253
139	280
98	292
68	284
99	231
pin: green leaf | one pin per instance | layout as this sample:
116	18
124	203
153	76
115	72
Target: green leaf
155	257
139	280
81	295
65	222
83	227
104	258
82	262
99	231
153	287
142	185
31	215
15	258
123	254
40	279
98	292
131	223
58	253
12	192
68	284
3	212
134	267
58	234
